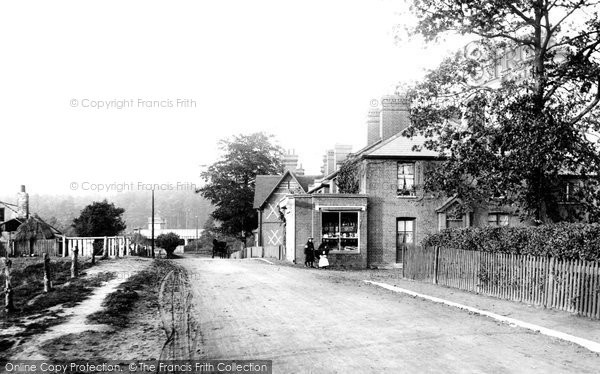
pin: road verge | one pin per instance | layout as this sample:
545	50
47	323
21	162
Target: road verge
591	345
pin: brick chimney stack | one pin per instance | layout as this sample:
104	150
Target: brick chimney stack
23	203
373	126
290	161
394	115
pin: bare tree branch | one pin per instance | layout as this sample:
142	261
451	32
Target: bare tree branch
522	15
569	13
589	108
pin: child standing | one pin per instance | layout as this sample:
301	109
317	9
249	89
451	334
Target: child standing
323	251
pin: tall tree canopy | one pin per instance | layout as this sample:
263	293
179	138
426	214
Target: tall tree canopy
517	109
100	218
231	180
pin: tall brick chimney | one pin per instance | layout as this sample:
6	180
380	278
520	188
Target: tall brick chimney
394	115
290	161
373	126
23	203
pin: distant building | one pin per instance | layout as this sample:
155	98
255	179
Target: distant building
333	158
290	162
161	227
12	217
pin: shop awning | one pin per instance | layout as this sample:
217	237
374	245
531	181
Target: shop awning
339	208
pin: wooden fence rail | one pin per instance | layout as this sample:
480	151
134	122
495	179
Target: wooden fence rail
112	246
569	285
272	251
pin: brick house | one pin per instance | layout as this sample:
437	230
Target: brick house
288	215
392	173
370	229
340	220
269	191
389	215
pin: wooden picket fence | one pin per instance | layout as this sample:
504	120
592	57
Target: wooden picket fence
272	251
113	246
569	285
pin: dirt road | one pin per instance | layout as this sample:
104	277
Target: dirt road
309	322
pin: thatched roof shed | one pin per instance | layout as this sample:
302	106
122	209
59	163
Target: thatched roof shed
34	228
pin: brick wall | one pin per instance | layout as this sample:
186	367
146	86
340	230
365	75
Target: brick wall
373	126
395	115
308	223
385	207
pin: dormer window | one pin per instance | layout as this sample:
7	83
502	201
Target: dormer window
406	179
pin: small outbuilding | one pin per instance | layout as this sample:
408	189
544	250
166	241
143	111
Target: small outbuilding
337	220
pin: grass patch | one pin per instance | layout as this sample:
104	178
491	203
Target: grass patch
116	310
141	286
32	304
27	279
67	294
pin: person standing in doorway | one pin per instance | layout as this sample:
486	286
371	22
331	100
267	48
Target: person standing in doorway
309	253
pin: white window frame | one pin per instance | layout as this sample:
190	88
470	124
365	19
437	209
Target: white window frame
339	238
412	191
498	214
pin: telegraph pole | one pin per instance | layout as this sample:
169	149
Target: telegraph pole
153	223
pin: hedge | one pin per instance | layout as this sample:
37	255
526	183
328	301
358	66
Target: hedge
577	241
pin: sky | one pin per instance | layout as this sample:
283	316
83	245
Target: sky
119	95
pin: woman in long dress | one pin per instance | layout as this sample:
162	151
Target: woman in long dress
309	253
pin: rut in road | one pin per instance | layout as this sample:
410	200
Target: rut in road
175	306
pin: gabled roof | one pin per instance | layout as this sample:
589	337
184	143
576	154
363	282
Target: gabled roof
263	187
400	146
266	185
448	203
306	180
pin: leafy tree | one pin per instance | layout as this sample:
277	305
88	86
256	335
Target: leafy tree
100	219
511	141
208	233
169	242
139	239
231	181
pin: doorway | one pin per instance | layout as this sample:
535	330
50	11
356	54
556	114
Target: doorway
405	237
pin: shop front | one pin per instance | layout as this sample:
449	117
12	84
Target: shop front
337	220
